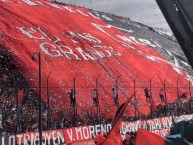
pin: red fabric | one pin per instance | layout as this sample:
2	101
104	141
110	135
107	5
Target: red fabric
99	139
57	116
127	137
5	77
114	137
147	138
33	26
154	108
20	97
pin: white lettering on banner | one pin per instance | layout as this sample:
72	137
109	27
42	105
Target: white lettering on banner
50	50
150	125
109	26
126	42
69	9
85	55
48	136
84	36
60	137
19	137
162	132
29	2
157	123
82	13
93	15
12	139
76	11
56	6
43	139
78	132
70	52
92	131
54	138
56	48
70	133
33	139
97	129
130	40
182	118
167	122
86	132
109	126
97	53
26	139
160	126
145	126
3	141
36	138
30	32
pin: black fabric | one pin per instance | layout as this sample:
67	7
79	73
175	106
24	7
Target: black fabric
176	141
189	131
119	112
178	14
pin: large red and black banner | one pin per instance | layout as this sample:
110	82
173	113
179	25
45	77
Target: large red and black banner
73	41
85	134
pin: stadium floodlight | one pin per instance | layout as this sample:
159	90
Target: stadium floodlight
40	95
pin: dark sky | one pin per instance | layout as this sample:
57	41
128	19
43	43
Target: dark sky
144	11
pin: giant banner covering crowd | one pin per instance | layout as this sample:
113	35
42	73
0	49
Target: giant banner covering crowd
86	66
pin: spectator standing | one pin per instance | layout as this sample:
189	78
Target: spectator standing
146	91
72	98
95	95
115	96
161	95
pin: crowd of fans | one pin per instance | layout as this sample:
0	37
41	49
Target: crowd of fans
19	117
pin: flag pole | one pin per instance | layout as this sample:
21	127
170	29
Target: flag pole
40	95
74	93
177	84
166	102
135	97
150	85
98	107
17	103
49	111
116	86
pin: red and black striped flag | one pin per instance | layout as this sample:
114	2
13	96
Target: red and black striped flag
114	137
